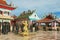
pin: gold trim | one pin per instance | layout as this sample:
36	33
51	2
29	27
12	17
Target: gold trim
5	17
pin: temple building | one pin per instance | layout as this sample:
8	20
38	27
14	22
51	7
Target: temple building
5	11
49	23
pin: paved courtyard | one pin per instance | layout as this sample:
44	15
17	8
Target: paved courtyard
40	35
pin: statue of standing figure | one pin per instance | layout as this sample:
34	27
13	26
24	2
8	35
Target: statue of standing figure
25	28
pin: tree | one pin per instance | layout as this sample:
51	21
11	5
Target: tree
26	14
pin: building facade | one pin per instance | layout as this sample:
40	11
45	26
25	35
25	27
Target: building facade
5	11
49	23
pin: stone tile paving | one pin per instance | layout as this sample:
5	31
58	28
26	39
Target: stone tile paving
44	36
40	35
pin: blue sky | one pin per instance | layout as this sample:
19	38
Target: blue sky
43	7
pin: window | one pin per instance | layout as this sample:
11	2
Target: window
35	15
6	13
0	12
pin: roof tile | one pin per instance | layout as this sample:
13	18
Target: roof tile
3	2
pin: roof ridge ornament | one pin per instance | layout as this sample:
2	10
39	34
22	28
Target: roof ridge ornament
12	5
4	0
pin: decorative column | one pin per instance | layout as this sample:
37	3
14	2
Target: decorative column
1	23
10	26
1	26
54	25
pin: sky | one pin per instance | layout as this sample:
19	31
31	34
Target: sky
43	7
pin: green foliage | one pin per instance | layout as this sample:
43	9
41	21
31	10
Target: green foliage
26	14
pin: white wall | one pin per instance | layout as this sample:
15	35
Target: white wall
5	11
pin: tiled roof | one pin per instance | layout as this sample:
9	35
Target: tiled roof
3	2
4	5
48	18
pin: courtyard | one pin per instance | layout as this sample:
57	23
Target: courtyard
40	35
